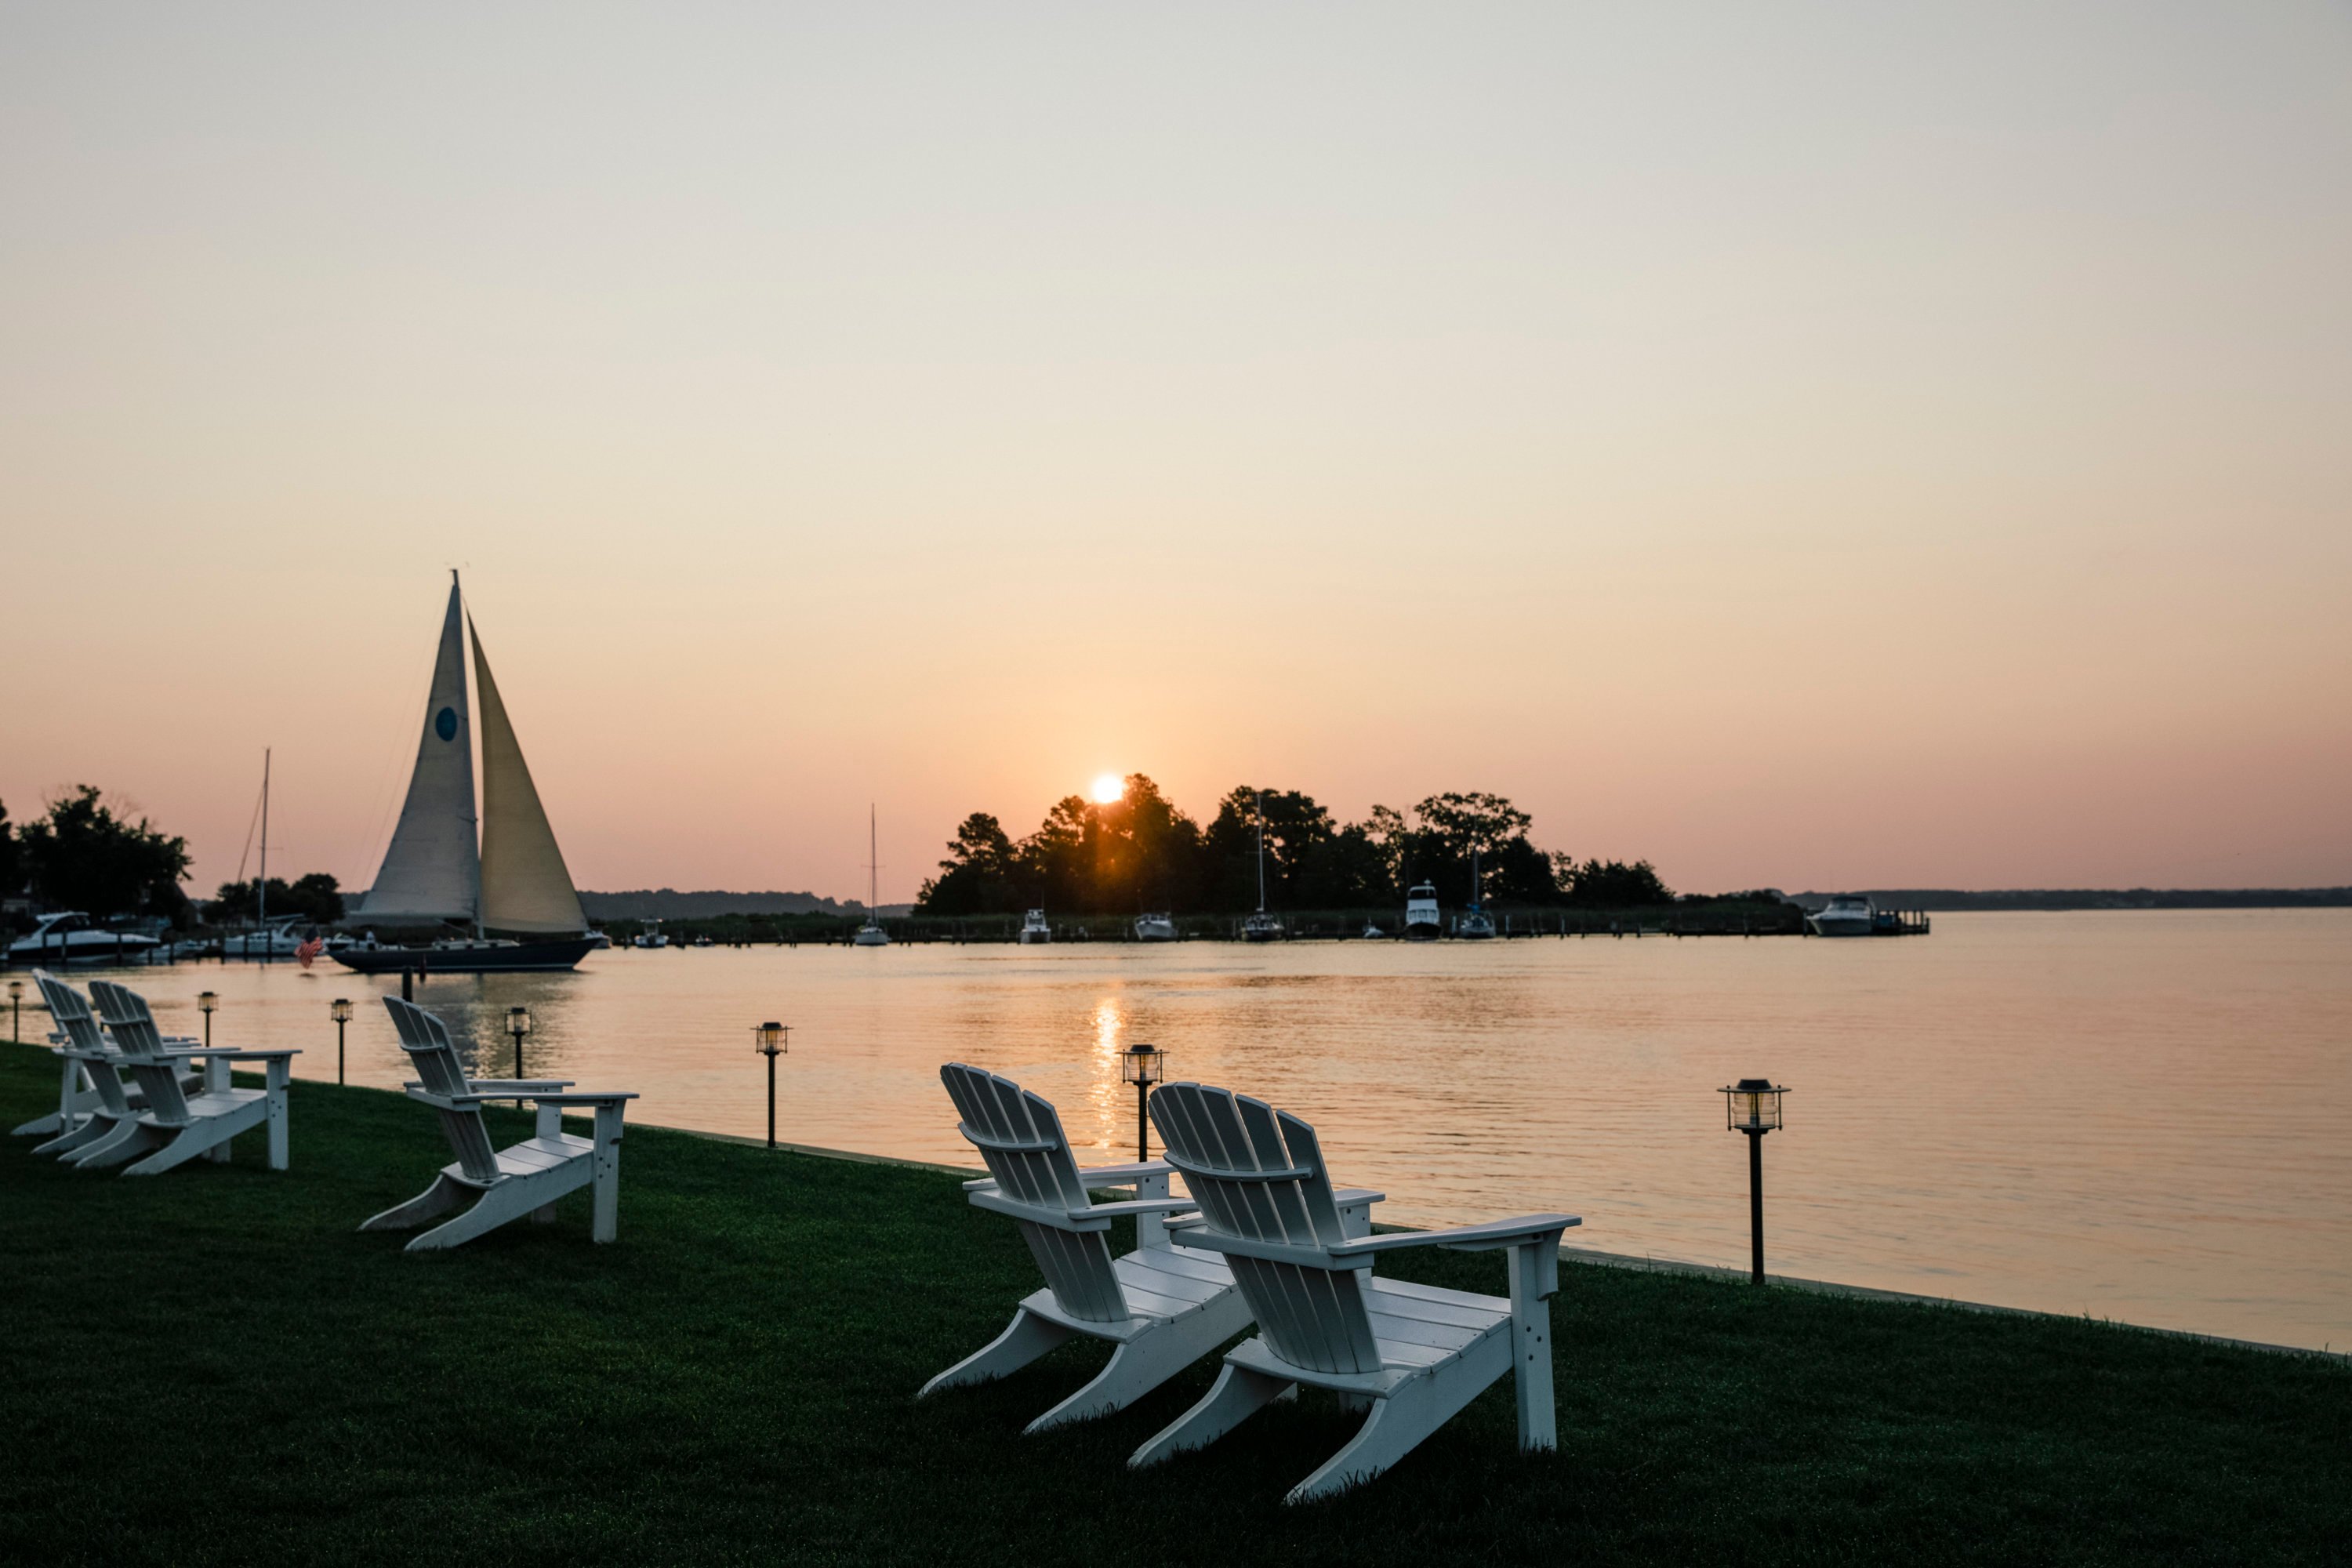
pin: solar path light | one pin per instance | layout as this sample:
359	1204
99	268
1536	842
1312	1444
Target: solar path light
16	1000
1753	1106
772	1040
340	1010
208	1003
1142	1066
517	1025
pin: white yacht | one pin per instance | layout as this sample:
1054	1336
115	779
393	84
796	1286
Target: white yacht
1155	928
1421	922
1033	929
652	936
68	937
1475	925
871	934
1847	914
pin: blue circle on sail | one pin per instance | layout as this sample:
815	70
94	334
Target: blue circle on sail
445	723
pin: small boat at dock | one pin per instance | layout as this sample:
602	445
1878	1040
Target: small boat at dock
871	934
1155	928
1846	914
69	936
1033	929
1422	921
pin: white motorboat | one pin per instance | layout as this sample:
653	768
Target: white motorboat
69	937
652	936
1033	929
1847	914
1374	933
499	870
700	941
1475	925
1421	921
871	934
1155	928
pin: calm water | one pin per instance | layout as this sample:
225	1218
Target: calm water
2145	1116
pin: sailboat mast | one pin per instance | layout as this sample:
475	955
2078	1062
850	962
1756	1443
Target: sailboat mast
1257	809
873	866
262	885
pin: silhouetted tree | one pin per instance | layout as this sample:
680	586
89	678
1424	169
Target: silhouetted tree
12	860
1613	884
977	878
83	857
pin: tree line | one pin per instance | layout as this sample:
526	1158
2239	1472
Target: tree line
87	855
1141	852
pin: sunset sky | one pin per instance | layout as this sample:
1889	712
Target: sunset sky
1810	446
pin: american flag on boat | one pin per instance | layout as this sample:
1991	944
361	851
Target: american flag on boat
309	949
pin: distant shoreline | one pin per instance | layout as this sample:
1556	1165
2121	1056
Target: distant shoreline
1937	900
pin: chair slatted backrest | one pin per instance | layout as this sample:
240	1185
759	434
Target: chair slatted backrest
1020	1137
1258	1174
133	1024
439	1070
79	1026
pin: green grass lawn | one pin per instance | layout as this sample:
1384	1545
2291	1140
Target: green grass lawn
214	1366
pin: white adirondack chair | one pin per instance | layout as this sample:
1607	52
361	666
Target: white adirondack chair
1416	1354
80	1096
1161	1307
506	1183
177	1126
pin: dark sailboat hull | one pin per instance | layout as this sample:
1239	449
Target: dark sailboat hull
489	958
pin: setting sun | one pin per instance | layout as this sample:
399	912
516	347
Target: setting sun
1108	789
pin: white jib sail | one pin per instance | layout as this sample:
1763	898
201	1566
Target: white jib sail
525	885
431	869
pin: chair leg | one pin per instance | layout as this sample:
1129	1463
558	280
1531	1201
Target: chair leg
1391	1431
440	1198
186	1145
1237	1395
127	1141
1029	1337
89	1132
1137	1367
509	1199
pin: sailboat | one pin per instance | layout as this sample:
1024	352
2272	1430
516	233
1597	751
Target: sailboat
1261	926
511	891
871	934
1475	925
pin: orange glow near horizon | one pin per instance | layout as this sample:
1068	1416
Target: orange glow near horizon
1817	449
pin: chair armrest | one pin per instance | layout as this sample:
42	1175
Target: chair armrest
584	1097
1136	1207
983	1184
1120	1175
1347	1197
503	1087
1519	1232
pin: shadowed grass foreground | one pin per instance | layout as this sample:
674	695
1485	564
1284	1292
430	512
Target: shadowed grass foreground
215	1366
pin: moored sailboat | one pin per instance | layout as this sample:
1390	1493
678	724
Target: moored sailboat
510	893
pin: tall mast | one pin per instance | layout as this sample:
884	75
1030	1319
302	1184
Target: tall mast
262	885
872	868
1257	808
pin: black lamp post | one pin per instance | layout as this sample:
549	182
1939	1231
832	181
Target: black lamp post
1142	1066
517	1025
207	1002
772	1040
1753	1106
16	1000
340	1012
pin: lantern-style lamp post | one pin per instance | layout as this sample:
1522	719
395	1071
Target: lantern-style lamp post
772	1040
16	1000
1753	1106
340	1010
208	1003
517	1025
1142	1066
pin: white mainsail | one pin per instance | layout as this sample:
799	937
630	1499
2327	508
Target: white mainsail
431	869
525	884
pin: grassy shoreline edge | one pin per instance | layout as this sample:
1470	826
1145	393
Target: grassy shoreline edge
733	1380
